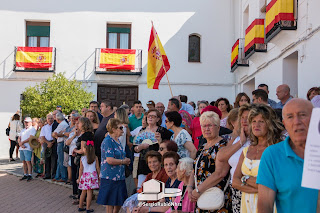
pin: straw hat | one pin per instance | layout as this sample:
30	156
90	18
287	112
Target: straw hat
33	142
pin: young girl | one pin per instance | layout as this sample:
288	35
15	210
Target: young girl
89	174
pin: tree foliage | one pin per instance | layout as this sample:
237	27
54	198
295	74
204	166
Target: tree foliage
57	90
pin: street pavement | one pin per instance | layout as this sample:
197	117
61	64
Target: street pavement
36	196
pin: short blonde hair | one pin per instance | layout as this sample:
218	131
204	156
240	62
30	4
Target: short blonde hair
210	116
113	124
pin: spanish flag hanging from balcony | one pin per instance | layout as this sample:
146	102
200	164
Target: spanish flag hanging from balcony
278	10
235	54
121	59
34	57
158	63
254	34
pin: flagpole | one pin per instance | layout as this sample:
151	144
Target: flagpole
162	60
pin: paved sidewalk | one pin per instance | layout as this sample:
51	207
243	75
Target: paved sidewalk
36	196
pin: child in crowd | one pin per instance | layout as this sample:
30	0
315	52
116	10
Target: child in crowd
89	175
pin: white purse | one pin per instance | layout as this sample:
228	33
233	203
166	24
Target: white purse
213	198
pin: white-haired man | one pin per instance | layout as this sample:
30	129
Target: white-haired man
58	133
281	165
25	149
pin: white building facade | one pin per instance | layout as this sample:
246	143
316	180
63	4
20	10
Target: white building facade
291	56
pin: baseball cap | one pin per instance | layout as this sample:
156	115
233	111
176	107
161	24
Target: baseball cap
27	119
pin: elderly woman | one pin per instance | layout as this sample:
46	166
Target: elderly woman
170	162
208	171
225	107
155	133
241	99
234	149
153	159
265	130
167	146
113	190
184	141
94	119
195	126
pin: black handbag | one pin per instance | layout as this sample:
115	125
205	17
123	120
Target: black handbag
7	131
77	160
66	149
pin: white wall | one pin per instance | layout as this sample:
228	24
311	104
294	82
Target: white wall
269	67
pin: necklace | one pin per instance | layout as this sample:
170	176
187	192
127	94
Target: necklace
260	149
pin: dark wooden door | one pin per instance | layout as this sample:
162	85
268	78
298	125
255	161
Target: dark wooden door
118	95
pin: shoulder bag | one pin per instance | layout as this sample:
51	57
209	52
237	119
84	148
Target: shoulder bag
7	131
213	198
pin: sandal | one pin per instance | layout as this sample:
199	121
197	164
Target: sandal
90	210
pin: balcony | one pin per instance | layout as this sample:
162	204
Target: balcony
118	61
237	55
254	39
280	15
34	59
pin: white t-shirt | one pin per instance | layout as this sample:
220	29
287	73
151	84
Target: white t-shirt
234	159
73	145
25	134
88	167
60	128
123	138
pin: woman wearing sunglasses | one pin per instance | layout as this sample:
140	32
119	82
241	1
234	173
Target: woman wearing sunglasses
156	134
113	191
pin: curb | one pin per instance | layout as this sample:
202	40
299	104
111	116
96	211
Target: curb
95	192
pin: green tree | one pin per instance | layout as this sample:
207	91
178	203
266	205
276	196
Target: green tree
56	90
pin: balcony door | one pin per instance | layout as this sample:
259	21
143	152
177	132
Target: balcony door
117	94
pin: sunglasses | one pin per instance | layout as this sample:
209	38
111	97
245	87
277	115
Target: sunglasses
120	127
161	148
152	116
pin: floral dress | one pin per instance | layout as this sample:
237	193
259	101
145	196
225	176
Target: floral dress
205	167
89	177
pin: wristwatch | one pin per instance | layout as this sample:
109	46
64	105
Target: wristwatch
244	180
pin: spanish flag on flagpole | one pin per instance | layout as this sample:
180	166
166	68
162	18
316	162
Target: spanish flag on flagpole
158	64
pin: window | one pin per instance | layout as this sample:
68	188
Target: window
38	34
119	36
194	48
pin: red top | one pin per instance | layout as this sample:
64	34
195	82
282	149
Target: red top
161	176
196	131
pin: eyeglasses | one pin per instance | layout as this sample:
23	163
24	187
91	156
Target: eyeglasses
161	148
120	127
152	116
208	126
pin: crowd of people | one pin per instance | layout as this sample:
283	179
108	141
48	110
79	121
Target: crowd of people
242	158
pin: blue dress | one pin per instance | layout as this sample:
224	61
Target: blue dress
113	191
